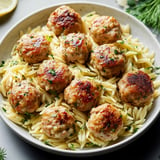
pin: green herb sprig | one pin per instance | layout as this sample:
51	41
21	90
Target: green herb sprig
3	154
147	11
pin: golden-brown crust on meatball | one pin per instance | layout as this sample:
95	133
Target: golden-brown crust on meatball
53	76
82	94
136	88
105	122
64	20
75	47
108	60
105	29
33	48
58	122
24	97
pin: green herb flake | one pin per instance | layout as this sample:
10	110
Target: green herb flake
135	130
120	41
23	76
83	127
46	105
25	94
128	128
74	66
2	63
89	15
101	57
66	42
116	51
75	104
47	142
52	56
111	59
71	146
26	117
113	130
4	109
49	38
52	72
50	81
90	144
17	104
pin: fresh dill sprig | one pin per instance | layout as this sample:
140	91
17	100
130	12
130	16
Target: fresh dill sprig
147	11
3	154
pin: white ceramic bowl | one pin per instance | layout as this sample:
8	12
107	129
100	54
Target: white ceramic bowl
40	18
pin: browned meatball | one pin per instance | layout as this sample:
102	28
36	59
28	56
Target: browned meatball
33	48
105	29
136	88
75	47
82	94
53	76
105	122
58	122
108	60
24	97
64	20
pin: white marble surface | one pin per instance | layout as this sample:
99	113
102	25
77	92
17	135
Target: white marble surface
147	147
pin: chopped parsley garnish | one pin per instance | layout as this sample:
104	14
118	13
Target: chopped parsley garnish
52	56
116	51
49	38
128	128
101	57
47	142
46	105
2	63
26	117
4	109
17	104
120	41
83	127
66	42
52	72
90	144
135	130
89	15
71	146
75	104
23	76
111	59
50	81
154	69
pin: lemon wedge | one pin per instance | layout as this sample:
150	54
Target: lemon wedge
6	6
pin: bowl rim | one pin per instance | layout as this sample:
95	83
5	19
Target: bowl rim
90	152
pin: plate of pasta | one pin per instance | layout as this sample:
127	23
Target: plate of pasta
79	80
